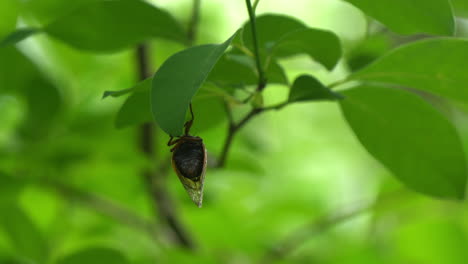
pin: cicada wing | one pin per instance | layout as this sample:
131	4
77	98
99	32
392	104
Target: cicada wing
194	188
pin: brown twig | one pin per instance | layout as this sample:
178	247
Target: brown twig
103	206
233	128
294	240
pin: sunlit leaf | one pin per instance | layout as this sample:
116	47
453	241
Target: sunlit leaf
416	142
411	16
308	88
94	256
178	80
435	65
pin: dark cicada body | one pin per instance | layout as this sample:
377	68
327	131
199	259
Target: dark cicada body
189	162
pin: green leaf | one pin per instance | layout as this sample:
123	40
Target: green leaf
235	70
417	143
10	187
135	110
282	36
23	234
270	29
114	25
460	7
18	36
411	16
142	86
321	45
9	14
434	65
369	50
96	255
308	88
178	80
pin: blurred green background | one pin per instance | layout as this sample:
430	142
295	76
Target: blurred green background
61	155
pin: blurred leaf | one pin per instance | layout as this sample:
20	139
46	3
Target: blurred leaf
142	86
23	234
9	14
434	65
411	16
18	36
308	88
114	25
321	45
281	36
44	103
432	241
96	255
369	50
460	7
177	81
411	138
135	110
10	187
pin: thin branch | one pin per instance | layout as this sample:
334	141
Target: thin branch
103	206
194	21
256	4
233	128
155	180
294	240
253	24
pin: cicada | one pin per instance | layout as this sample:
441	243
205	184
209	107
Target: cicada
189	162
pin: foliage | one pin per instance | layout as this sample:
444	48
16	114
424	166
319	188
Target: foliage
75	187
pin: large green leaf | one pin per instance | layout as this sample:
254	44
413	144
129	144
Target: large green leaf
178	80
23	234
410	137
96	255
308	88
111	25
411	16
282	36
439	66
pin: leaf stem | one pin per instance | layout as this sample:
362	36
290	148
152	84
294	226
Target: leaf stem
194	21
256	4
234	127
295	239
261	74
103	206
